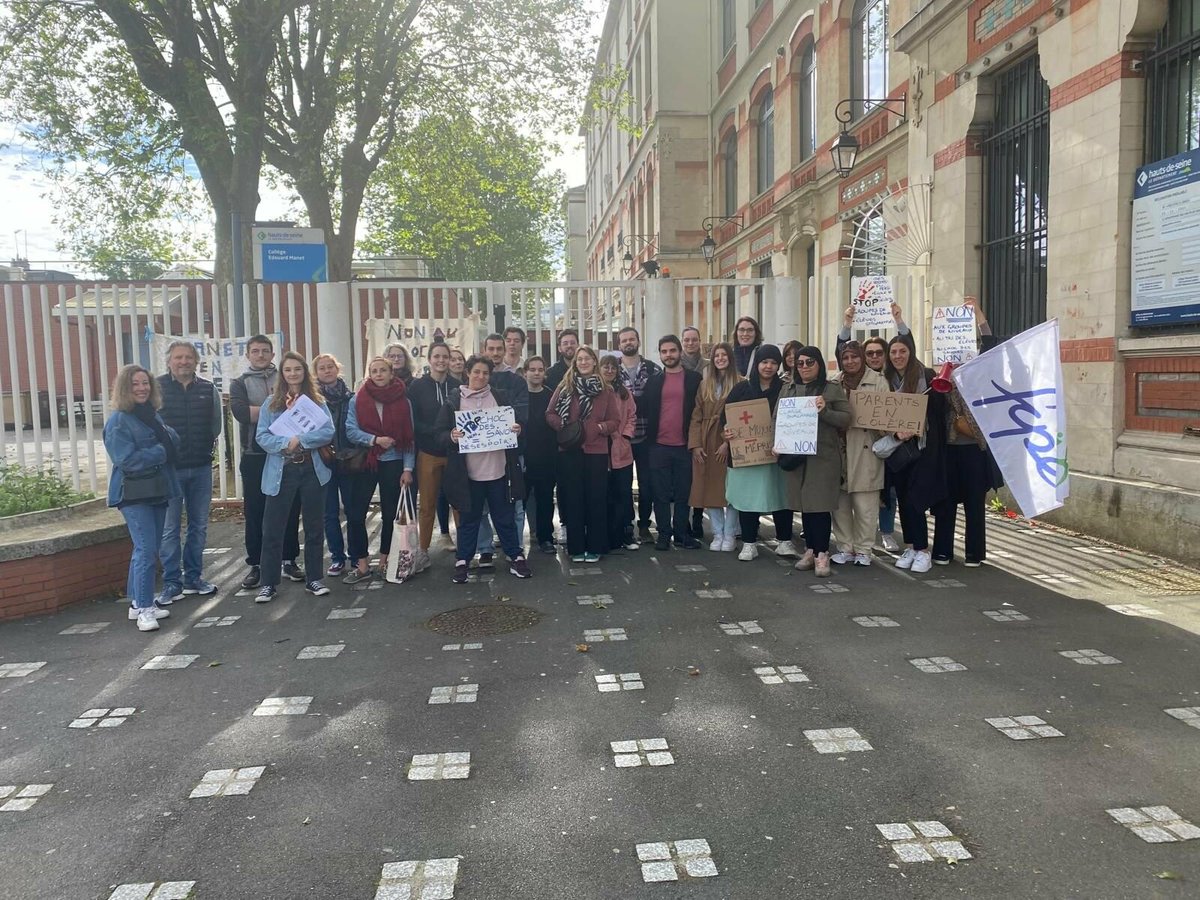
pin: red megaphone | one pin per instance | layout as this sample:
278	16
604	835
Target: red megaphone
941	382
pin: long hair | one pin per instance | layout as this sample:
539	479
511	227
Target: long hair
716	384
307	387
122	389
618	383
568	382
910	378
407	367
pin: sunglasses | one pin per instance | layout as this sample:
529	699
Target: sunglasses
874	353
806	362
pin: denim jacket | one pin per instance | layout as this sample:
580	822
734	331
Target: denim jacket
274	445
364	438
133	448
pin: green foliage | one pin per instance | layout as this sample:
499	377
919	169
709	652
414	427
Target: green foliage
28	490
609	93
472	198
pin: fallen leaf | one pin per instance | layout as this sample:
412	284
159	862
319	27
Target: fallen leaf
952	861
283	640
1169	876
572	582
706	584
598	606
582	648
503	598
307	821
671	590
213	665
692	670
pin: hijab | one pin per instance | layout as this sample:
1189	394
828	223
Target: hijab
816	387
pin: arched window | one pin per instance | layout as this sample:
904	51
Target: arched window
765	161
869	52
1173	84
807	112
729	174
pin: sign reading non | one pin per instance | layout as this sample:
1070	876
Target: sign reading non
796	425
1165	268
485	429
954	338
289	254
418	336
753	433
872	298
889	412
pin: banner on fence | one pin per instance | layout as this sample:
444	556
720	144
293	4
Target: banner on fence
954	334
889	411
796	426
753	433
417	336
486	429
221	361
872	298
1015	393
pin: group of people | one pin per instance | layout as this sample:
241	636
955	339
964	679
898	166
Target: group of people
582	427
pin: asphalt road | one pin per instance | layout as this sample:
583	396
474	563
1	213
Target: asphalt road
546	812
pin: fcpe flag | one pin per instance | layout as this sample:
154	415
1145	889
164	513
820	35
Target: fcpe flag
1015	393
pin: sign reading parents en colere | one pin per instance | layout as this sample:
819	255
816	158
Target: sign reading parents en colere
889	411
485	429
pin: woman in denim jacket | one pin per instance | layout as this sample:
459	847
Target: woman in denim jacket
141	445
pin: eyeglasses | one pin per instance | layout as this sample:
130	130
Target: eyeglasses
874	353
806	362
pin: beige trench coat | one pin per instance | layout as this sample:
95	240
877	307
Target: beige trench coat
816	486
708	477
864	470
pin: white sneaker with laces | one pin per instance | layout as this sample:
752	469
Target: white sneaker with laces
749	552
841	558
862	559
159	612
922	562
787	548
906	559
717	543
147	620
728	545
888	542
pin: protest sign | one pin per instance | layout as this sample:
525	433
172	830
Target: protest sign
753	433
485	429
954	334
796	426
221	360
300	418
888	411
872	298
417	335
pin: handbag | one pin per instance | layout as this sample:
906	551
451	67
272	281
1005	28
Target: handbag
327	453
149	486
570	436
406	541
790	462
351	460
903	456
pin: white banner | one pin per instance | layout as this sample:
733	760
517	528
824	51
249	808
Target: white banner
954	334
796	426
1015	393
486	429
871	296
417	336
221	361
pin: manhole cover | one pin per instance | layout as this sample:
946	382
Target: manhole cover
478	621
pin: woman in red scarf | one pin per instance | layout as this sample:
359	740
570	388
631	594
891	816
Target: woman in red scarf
380	417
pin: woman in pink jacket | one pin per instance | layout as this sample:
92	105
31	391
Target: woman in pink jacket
586	413
620	460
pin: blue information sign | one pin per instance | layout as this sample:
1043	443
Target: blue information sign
290	254
1165	264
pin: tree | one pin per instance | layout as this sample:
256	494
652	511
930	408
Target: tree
471	198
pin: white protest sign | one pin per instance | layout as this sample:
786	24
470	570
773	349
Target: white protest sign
485	429
221	360
796	425
1015	393
302	417
954	338
417	335
872	298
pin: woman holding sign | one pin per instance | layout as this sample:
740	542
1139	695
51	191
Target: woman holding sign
710	452
813	485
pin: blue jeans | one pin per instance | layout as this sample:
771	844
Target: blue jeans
337	487
196	484
887	510
492	496
145	523
484	543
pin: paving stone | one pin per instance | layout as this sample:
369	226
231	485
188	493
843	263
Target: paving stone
943	583
691	568
1057	578
673	860
19	799
828	587
923	841
215	551
283	706
1006	615
227	782
19	670
86	628
1153	824
599	635
473	646
321	651
103	717
418	879
595	600
643	752
1188	715
356	612
1133	609
739	628
934	665
628	681
439	766
454	693
714	594
1024	728
837	740
155	890
179	661
590	570
780	674
1090	657
216	621
876	622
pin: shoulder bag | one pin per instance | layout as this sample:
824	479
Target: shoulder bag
149	486
351	460
570	436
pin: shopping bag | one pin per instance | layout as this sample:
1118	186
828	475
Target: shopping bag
406	541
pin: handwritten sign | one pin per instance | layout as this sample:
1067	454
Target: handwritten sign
796	426
872	298
954	335
418	336
303	416
887	411
753	433
485	429
221	360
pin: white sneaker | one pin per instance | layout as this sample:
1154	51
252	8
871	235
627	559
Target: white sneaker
906	559
749	552
841	558
728	545
922	562
147	620
159	612
888	542
786	548
420	562
717	543
862	559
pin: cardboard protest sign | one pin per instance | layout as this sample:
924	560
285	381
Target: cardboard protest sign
753	433
485	429
954	334
418	335
872	298
796	425
221	360
888	411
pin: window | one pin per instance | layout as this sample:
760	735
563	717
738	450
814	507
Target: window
1016	160
808	101
729	173
1173	84
869	52
728	26
765	161
869	249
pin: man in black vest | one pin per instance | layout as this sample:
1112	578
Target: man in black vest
192	406
668	402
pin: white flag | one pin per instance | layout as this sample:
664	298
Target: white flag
1015	393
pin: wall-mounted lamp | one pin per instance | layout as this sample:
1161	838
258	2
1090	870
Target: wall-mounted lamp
709	247
637	242
846	146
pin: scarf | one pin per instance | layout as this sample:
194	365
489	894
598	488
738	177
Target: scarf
852	348
148	416
586	389
476	399
337	392
397	416
743	358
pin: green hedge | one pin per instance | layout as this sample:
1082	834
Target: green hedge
28	490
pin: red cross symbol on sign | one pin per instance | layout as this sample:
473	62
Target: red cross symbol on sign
745	417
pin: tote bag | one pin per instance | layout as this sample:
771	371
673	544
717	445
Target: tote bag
406	540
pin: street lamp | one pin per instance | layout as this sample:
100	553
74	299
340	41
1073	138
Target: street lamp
846	146
709	246
636	241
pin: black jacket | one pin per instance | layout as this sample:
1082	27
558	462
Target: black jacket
427	398
555	375
195	413
651	403
541	441
455	481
